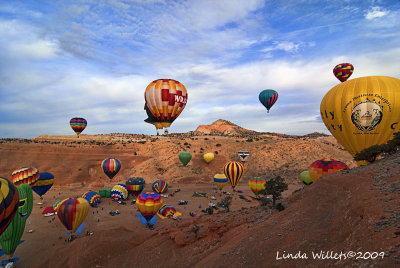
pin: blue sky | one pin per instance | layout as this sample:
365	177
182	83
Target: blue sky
94	59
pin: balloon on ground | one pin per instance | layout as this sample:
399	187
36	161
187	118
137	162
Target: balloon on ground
168	212
119	191
256	185
325	166
160	186
9	202
148	203
135	185
305	178
220	180
92	197
72	212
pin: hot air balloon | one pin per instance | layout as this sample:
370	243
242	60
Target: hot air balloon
220	180
111	166
243	155
9	201
343	71
148	204
57	204
135	185
305	178
78	124
10	238
185	157
72	212
233	171
325	166
27	175
160	186
165	100
268	97
257	185
208	157
168	212
92	197
43	184
119	191
362	112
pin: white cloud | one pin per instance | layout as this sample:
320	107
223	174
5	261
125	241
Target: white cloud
376	12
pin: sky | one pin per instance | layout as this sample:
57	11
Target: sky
94	59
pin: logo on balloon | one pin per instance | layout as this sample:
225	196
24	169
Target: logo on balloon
180	99
366	115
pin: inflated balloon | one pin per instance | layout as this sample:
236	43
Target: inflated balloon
343	71
185	157
325	166
362	112
233	171
257	185
10	238
57	204
160	186
165	100
243	155
27	175
9	201
72	212
148	204
220	180
135	185
111	166
168	212
43	184
305	178
119	191
208	157
268	97
92	197
78	124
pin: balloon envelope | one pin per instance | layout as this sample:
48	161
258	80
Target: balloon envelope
185	157
160	186
27	175
343	71
305	178
208	157
72	212
233	171
362	112
92	197
119	191
148	204
78	124
135	185
220	180
268	97
257	185
168	212
111	166
243	155
325	166
43	184
9	201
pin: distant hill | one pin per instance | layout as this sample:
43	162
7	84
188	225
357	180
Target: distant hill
223	127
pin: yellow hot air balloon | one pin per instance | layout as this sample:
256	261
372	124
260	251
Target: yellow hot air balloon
362	112
208	157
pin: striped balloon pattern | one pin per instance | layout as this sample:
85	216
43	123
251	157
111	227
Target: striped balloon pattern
28	175
43	184
343	71
9	202
325	166
119	191
78	124
72	212
268	97
257	185
165	100
148	204
92	197
220	180
111	166
57	204
160	186
168	212
233	171
135	185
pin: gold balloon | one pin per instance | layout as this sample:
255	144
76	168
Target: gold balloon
362	112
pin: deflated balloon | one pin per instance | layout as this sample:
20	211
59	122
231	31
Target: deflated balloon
148	204
325	166
305	178
220	180
78	124
268	97
160	186
135	185
119	191
27	175
362	112
43	184
9	201
208	157
233	171
92	197
10	238
257	185
111	166
185	157
72	212
168	212
343	71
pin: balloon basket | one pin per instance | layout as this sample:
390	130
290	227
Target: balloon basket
40	203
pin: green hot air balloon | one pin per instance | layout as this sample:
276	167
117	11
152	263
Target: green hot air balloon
305	178
185	157
9	239
268	97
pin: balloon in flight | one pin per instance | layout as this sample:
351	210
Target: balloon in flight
185	157
268	97
111	166
233	171
9	201
78	124
343	71
27	175
72	212
43	184
208	157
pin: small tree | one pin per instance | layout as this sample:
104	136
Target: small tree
275	187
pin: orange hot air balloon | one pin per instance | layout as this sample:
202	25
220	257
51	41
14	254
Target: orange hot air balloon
29	175
325	166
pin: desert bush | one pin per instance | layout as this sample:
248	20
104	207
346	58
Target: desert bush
206	139
215	152
372	152
249	140
218	145
280	207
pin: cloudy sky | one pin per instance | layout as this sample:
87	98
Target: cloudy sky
94	59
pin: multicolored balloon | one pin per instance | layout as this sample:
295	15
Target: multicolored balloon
57	204
111	166
233	171
305	178
72	212
220	180
160	186
148	204
27	175
43	184
243	155
268	97
165	100
92	197
9	201
78	124
10	238
325	166
135	185
168	212
208	157
257	185
343	71
185	157
119	191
